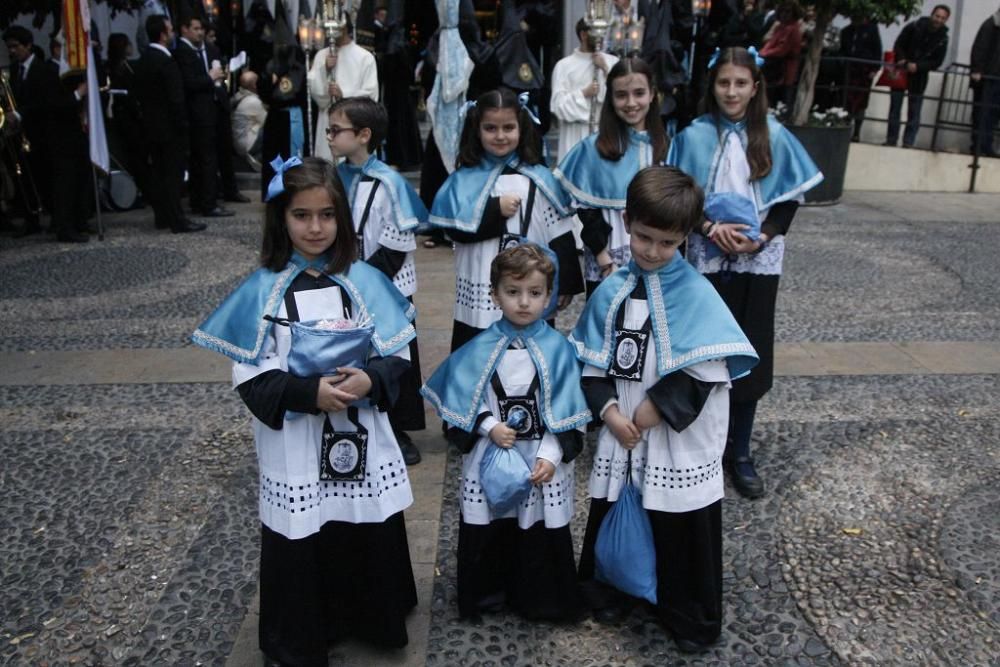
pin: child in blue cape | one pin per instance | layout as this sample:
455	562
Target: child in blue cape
333	485
499	195
735	148
661	349
386	211
597	171
522	557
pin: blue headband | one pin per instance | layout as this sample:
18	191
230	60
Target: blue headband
280	166
523	100
757	58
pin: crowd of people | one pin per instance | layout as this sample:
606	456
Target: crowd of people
670	228
666	363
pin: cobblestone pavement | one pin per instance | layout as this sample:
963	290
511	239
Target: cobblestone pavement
128	531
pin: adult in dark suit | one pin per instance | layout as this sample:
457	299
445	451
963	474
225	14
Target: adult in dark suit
158	89
70	157
32	82
203	90
224	134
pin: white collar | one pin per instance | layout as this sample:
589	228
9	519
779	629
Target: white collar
26	63
155	45
188	42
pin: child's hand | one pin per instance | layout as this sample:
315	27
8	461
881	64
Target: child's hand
331	396
605	263
355	381
543	472
563	300
730	238
509	204
646	415
503	435
624	430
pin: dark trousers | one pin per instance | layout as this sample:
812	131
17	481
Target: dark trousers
73	206
165	188
914	102
989	112
224	153
203	168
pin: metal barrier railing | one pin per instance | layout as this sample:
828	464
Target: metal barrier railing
959	107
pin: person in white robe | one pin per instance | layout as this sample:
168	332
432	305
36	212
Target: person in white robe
575	96
350	72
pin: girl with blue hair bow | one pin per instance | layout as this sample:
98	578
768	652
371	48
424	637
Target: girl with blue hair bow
501	194
333	485
754	174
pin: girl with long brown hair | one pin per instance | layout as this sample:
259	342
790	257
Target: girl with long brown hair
738	153
597	171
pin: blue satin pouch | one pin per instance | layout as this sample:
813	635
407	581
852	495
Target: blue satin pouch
505	478
731	207
624	554
315	351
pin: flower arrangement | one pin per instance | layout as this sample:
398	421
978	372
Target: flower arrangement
830	117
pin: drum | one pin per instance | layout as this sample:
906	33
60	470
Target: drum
120	193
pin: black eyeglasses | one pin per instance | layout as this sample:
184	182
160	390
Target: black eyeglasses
333	130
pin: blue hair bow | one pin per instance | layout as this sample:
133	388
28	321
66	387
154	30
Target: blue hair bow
523	100
469	105
757	58
280	166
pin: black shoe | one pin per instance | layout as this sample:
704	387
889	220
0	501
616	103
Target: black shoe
744	477
889	143
237	198
72	237
691	646
411	455
615	613
27	231
217	212
189	226
86	229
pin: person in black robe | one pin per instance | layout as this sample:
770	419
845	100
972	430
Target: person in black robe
395	74
282	88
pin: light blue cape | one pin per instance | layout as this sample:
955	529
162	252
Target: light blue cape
598	183
408	209
458	387
238	329
460	202
691	323
698	151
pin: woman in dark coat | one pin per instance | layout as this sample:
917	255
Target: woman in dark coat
282	88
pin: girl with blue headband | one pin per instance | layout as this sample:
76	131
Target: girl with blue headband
598	170
319	342
501	194
754	173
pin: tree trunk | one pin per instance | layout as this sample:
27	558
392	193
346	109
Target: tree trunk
810	69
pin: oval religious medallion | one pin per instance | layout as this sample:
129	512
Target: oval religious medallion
524	72
285	85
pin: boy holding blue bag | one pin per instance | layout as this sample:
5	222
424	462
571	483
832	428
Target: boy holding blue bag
512	400
660	349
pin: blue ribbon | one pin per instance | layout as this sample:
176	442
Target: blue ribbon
280	166
471	104
523	100
752	51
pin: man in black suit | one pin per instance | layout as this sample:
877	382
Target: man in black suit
32	82
159	92
203	92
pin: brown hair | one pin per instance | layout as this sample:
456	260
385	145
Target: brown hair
612	132
519	261
665	198
471	151
364	113
276	247
758	136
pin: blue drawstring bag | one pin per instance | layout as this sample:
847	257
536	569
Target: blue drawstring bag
624	554
505	478
731	207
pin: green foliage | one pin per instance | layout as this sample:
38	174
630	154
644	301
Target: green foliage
11	9
879	11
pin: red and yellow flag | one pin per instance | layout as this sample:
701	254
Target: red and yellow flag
76	26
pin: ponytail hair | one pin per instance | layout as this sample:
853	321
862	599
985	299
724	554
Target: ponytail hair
758	136
612	132
471	151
